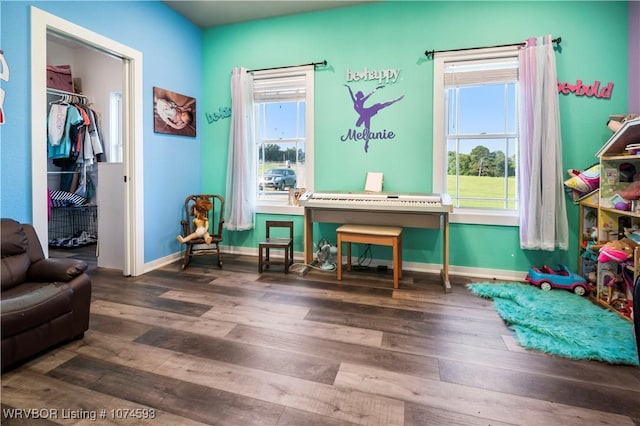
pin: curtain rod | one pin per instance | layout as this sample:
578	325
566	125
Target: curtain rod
64	92
430	53
315	64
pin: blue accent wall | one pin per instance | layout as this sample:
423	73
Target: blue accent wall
171	47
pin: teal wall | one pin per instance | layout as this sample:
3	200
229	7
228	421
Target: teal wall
395	35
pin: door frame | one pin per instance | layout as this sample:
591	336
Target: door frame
41	23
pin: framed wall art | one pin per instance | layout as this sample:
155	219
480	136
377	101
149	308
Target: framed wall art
173	113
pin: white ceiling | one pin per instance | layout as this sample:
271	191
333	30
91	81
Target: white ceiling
211	13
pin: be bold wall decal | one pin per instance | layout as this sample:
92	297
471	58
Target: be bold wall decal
588	90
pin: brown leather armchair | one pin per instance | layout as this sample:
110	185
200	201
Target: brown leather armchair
44	302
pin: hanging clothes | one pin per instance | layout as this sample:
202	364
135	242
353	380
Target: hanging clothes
64	150
73	134
74	143
94	136
56	122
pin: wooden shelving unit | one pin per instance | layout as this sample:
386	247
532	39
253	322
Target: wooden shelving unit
589	205
614	281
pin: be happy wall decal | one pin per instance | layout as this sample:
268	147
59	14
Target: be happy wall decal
363	130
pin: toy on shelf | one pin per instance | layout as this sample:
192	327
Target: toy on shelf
590	263
617	291
616	260
631	192
581	183
616	121
618	251
547	278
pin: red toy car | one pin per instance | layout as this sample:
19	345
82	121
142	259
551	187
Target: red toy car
547	278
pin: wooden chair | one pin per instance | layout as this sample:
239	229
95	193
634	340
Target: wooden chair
197	246
269	243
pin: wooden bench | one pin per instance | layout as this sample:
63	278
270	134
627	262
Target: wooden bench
369	234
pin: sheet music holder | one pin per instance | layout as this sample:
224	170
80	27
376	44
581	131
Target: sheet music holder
374	182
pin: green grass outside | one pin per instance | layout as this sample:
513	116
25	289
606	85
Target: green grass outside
478	191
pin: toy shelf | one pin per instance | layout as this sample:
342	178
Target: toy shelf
619	168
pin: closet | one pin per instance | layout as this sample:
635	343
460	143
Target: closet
85	176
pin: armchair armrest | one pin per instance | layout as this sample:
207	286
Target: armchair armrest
54	269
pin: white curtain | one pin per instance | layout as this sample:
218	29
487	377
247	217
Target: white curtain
543	214
241	174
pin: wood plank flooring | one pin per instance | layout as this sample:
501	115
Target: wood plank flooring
232	347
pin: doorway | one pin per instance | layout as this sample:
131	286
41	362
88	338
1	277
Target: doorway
79	178
43	25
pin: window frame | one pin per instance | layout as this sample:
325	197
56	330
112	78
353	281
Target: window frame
280	207
440	150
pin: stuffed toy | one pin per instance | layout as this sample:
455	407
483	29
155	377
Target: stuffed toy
581	183
200	222
617	120
618	251
631	192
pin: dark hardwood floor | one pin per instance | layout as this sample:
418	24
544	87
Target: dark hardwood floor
232	347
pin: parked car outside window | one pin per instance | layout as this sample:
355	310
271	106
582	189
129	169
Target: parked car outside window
278	179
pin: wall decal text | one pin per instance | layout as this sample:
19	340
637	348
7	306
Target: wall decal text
588	90
223	112
389	75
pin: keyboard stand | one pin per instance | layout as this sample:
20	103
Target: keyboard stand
405	219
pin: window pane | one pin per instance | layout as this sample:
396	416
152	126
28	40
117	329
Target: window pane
281	149
282	120
482	109
481	173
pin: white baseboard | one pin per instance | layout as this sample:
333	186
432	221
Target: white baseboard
163	261
467	271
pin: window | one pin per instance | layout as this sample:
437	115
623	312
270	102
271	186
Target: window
476	134
283	112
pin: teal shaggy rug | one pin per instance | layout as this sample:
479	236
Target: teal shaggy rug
561	323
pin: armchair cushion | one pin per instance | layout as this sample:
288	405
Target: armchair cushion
14	239
54	269
34	304
15	260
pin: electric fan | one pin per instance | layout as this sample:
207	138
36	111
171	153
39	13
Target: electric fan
324	254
